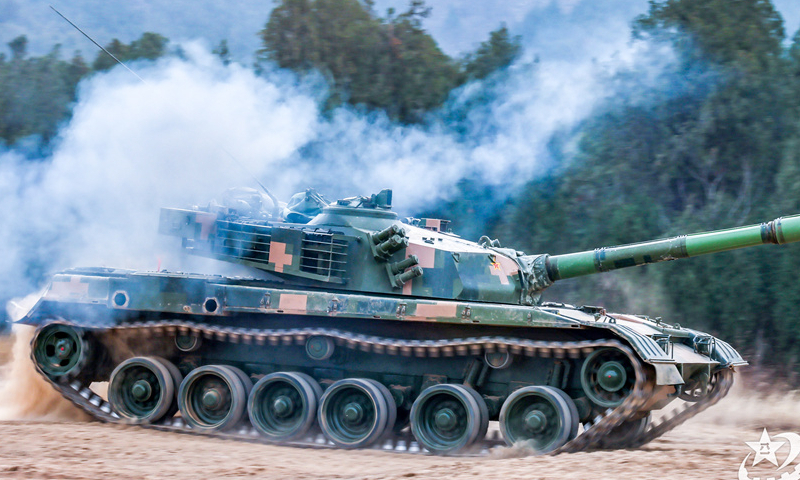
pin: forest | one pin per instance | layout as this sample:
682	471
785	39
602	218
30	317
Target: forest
720	149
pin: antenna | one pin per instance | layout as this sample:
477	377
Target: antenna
98	45
276	206
266	190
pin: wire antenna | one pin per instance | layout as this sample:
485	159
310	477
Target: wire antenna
276	205
98	45
272	197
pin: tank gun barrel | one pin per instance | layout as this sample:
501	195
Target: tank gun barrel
779	231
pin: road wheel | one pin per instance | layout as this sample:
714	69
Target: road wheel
355	412
141	390
447	418
283	405
540	417
212	398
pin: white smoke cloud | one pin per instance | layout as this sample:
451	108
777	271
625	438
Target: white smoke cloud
501	142
132	147
460	25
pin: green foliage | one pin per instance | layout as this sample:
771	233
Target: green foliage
388	64
496	53
35	93
794	69
420	76
18	47
340	38
745	32
149	46
223	52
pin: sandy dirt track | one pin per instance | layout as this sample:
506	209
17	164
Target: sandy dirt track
97	451
55	443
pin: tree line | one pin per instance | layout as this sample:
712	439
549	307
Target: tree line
389	64
37	93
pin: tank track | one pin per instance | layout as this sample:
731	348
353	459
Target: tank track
79	393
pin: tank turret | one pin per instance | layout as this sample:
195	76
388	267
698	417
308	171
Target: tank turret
359	245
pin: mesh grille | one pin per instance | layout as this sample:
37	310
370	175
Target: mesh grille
240	240
324	255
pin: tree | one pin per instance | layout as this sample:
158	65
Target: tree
390	64
747	33
496	53
794	68
289	36
794	53
420	75
76	70
19	47
36	92
104	62
223	52
150	46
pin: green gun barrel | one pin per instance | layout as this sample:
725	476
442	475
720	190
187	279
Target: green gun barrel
779	231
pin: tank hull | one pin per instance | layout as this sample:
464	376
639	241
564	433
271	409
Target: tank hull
404	346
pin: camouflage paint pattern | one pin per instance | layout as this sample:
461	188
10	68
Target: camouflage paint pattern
131	294
373	287
365	248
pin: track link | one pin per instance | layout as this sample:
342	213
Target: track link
79	393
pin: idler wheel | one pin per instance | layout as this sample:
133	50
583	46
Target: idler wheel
283	405
544	418
607	377
213	397
355	412
447	418
142	389
60	350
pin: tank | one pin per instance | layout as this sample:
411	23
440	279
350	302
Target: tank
360	329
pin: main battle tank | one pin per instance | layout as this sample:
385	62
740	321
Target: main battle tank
356	325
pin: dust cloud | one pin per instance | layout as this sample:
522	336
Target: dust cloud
24	394
743	407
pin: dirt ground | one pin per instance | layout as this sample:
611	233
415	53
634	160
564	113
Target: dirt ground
55	443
